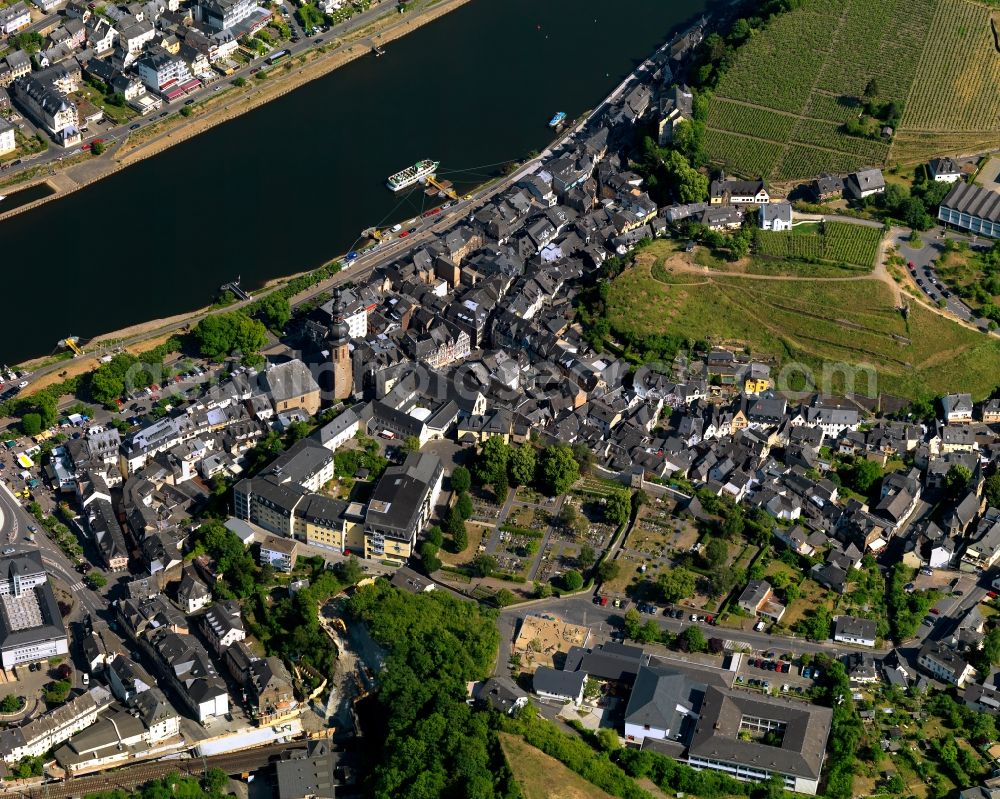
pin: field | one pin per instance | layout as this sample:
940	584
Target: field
957	80
824	325
779	111
542	777
841	242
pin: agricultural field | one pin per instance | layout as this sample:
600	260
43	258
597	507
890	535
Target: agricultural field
779	112
956	84
823	325
840	242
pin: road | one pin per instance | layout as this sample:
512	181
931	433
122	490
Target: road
132	776
604	621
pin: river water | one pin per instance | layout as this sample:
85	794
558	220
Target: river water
290	185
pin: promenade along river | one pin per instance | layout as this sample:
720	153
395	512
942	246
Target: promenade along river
290	185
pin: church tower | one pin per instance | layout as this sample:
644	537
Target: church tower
343	370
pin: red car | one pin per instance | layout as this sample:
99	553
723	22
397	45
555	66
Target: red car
432	212
992	594
404	234
935	611
913	266
604	601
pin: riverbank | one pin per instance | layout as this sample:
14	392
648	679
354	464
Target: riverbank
84	170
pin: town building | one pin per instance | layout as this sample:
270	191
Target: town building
31	626
401	505
945	663
852	630
776	217
738	192
864	183
7	141
972	208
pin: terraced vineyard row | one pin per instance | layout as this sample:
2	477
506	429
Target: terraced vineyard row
788	245
936	58
956	86
851	244
880	40
828	134
748	155
778	69
801	160
725	115
840	242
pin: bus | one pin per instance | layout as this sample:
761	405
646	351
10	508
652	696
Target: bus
276	57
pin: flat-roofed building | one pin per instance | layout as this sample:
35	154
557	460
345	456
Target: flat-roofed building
972	208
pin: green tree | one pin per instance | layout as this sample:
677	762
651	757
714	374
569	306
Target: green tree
716	553
10	704
861	475
572	580
240	82
222	334
957	478
618	507
491	462
349	571
522	465
991	490
633	624
410	444
459	538
274	311
991	647
461	480
186	111
96	580
587	556
676	584
429	560
607	570
693	639
485	565
583	455
435	535
464	506
56	692
97	148
504	598
31	424
608	740
558	470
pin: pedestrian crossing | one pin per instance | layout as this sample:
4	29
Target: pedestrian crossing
77	586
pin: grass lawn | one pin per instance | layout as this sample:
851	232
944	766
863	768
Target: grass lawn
812	596
477	533
542	777
828	327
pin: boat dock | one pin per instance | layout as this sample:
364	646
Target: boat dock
234	287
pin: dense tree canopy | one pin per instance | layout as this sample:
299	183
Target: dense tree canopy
220	335
437	644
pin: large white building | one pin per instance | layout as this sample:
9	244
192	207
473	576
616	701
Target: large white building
14	18
7	143
31	626
709	726
39	736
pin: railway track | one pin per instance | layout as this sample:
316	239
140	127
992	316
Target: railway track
130	777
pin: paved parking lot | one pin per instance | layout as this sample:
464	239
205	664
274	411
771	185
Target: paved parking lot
920	265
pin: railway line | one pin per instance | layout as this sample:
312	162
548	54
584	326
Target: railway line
129	777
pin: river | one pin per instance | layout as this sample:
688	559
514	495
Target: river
290	185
